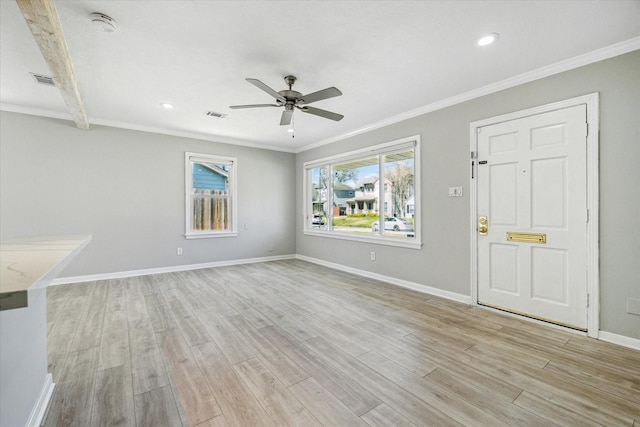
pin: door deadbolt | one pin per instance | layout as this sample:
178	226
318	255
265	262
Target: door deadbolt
483	227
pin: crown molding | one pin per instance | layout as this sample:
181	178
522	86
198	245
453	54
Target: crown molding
129	126
559	67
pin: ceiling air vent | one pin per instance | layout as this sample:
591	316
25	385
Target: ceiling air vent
42	79
214	114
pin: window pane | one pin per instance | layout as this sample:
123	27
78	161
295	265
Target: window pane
319	198
399	194
210	198
355	195
366	195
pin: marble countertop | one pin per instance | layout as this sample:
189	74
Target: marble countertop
34	262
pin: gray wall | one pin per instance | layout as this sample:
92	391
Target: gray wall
444	260
126	188
56	180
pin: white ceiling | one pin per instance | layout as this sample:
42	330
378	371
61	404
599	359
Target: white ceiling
390	59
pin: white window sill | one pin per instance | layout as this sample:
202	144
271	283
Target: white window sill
211	235
375	239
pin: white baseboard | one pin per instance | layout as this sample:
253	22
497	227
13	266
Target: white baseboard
40	408
133	273
160	270
465	299
619	339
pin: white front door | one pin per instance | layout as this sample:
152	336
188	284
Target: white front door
532	190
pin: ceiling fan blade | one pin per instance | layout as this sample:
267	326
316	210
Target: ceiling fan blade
235	107
329	92
322	113
285	120
257	83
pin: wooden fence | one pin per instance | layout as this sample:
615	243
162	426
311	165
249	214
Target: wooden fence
210	209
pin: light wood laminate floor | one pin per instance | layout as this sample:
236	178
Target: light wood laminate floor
293	343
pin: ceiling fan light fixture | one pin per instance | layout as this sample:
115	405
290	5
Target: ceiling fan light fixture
292	129
488	39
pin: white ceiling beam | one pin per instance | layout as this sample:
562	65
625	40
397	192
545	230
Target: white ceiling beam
42	18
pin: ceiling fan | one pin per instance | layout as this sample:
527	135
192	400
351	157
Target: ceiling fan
290	99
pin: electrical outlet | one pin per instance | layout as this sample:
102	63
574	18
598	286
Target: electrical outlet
179	251
373	256
633	306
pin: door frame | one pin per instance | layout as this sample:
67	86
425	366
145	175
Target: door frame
593	247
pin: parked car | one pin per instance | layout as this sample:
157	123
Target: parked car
317	220
393	224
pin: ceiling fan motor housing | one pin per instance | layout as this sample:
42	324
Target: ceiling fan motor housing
291	95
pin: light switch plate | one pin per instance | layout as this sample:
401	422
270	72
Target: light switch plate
455	191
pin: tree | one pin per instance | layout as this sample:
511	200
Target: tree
401	178
339	175
344	175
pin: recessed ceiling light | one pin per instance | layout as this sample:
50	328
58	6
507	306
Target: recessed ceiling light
167	105
488	39
291	130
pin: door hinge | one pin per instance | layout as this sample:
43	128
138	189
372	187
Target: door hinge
587	215
588	300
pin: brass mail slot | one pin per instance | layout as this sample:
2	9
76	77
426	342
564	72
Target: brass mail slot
527	237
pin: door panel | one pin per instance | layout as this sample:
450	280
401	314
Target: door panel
549	281
546	136
503	208
549	193
504	272
503	143
532	179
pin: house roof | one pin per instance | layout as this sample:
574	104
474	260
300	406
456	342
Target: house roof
368	180
391	59
342	186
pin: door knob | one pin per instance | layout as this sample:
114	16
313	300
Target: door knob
483	227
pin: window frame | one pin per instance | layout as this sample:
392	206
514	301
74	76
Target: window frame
378	150
232	230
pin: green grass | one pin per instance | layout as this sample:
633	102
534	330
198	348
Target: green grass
354	221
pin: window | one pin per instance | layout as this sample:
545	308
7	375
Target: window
210	196
353	193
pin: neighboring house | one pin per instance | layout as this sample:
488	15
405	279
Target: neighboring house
365	199
341	194
320	200
410	207
209	177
